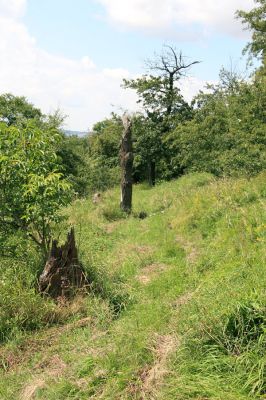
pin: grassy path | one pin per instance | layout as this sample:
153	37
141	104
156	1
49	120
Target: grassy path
168	281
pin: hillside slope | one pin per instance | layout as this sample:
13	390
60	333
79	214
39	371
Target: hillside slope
177	308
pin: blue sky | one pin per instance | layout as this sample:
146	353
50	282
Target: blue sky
78	28
74	54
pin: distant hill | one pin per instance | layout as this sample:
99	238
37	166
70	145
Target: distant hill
75	133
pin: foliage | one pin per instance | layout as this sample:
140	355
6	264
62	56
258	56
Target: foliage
164	106
181	291
32	185
148	148
105	139
103	164
72	154
15	109
158	98
227	134
255	20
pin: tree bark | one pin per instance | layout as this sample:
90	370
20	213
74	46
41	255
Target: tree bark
62	272
152	172
126	159
170	94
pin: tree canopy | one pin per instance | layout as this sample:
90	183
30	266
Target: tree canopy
255	21
16	108
163	105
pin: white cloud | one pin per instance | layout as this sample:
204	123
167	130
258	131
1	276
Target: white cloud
12	8
84	92
190	86
80	89
181	18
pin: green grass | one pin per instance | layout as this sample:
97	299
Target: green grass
193	271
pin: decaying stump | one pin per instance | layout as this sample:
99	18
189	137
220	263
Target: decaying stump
62	272
126	159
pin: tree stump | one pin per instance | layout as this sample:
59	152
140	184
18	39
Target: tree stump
62	272
126	159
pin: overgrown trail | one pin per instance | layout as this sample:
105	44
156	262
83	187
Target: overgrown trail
51	369
150	329
132	350
45	359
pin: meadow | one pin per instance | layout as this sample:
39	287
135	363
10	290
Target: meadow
175	306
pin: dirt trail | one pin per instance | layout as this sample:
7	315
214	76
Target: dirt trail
52	368
149	272
163	346
31	389
191	251
13	359
150	378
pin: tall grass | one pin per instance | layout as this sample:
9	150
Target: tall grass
193	269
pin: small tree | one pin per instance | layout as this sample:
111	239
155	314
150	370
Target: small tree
126	155
32	188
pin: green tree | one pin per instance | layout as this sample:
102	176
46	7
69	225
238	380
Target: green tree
32	187
103	154
105	139
255	20
14	109
72	152
162	101
227	134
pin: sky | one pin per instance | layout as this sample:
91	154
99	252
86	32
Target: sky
74	54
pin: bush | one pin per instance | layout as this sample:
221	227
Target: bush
32	187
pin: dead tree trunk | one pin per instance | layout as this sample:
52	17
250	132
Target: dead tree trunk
62	272
126	158
151	172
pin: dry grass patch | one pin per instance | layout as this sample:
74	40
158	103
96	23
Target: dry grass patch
31	388
52	368
192	253
149	272
112	226
151	377
12	359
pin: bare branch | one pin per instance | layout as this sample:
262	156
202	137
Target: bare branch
170	62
